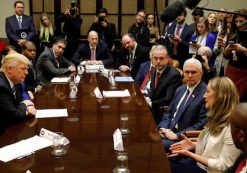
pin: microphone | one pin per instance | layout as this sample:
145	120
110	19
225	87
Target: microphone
191	4
171	12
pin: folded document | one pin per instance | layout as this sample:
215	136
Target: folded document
120	93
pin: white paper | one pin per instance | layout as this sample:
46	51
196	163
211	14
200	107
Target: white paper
49	113
122	93
124	79
118	140
77	79
97	93
23	147
94	67
60	80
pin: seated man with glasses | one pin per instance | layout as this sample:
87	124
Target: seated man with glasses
164	81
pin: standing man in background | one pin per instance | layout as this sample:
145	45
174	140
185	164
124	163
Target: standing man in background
19	27
106	30
71	31
140	30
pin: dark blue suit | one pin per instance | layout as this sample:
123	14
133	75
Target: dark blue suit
12	27
191	117
84	53
11	108
183	46
143	70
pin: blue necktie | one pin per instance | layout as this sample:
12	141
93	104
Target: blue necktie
179	109
14	91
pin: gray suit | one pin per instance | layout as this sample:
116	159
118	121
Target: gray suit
47	67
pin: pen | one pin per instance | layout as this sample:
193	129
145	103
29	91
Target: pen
29	105
25	155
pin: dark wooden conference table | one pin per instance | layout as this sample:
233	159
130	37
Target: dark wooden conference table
91	137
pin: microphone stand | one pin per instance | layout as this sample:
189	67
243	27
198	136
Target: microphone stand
229	12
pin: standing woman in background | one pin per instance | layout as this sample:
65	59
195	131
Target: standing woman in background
213	23
221	63
236	52
46	31
202	36
154	31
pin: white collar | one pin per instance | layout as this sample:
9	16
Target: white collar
10	82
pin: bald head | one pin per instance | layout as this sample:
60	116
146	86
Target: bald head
93	38
238	121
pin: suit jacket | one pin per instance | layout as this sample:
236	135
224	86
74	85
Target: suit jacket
141	55
11	108
193	114
143	70
84	53
162	95
31	80
210	40
12	26
47	68
183	46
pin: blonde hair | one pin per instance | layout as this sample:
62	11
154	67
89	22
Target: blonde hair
214	29
11	60
42	28
226	98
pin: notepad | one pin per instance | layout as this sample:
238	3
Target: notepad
60	80
49	113
124	79
23	148
119	93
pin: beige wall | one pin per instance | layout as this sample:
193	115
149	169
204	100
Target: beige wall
7	9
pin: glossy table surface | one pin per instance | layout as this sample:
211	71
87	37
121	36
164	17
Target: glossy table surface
91	137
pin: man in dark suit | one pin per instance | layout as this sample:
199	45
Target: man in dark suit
238	121
187	110
93	52
12	106
19	27
164	81
52	63
131	55
106	30
31	81
177	39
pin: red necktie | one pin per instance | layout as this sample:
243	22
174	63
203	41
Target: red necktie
146	79
92	54
156	79
175	44
241	165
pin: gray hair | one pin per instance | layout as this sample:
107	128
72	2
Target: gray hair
193	61
207	50
11	60
158	47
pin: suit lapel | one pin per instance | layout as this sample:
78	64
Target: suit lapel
191	98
